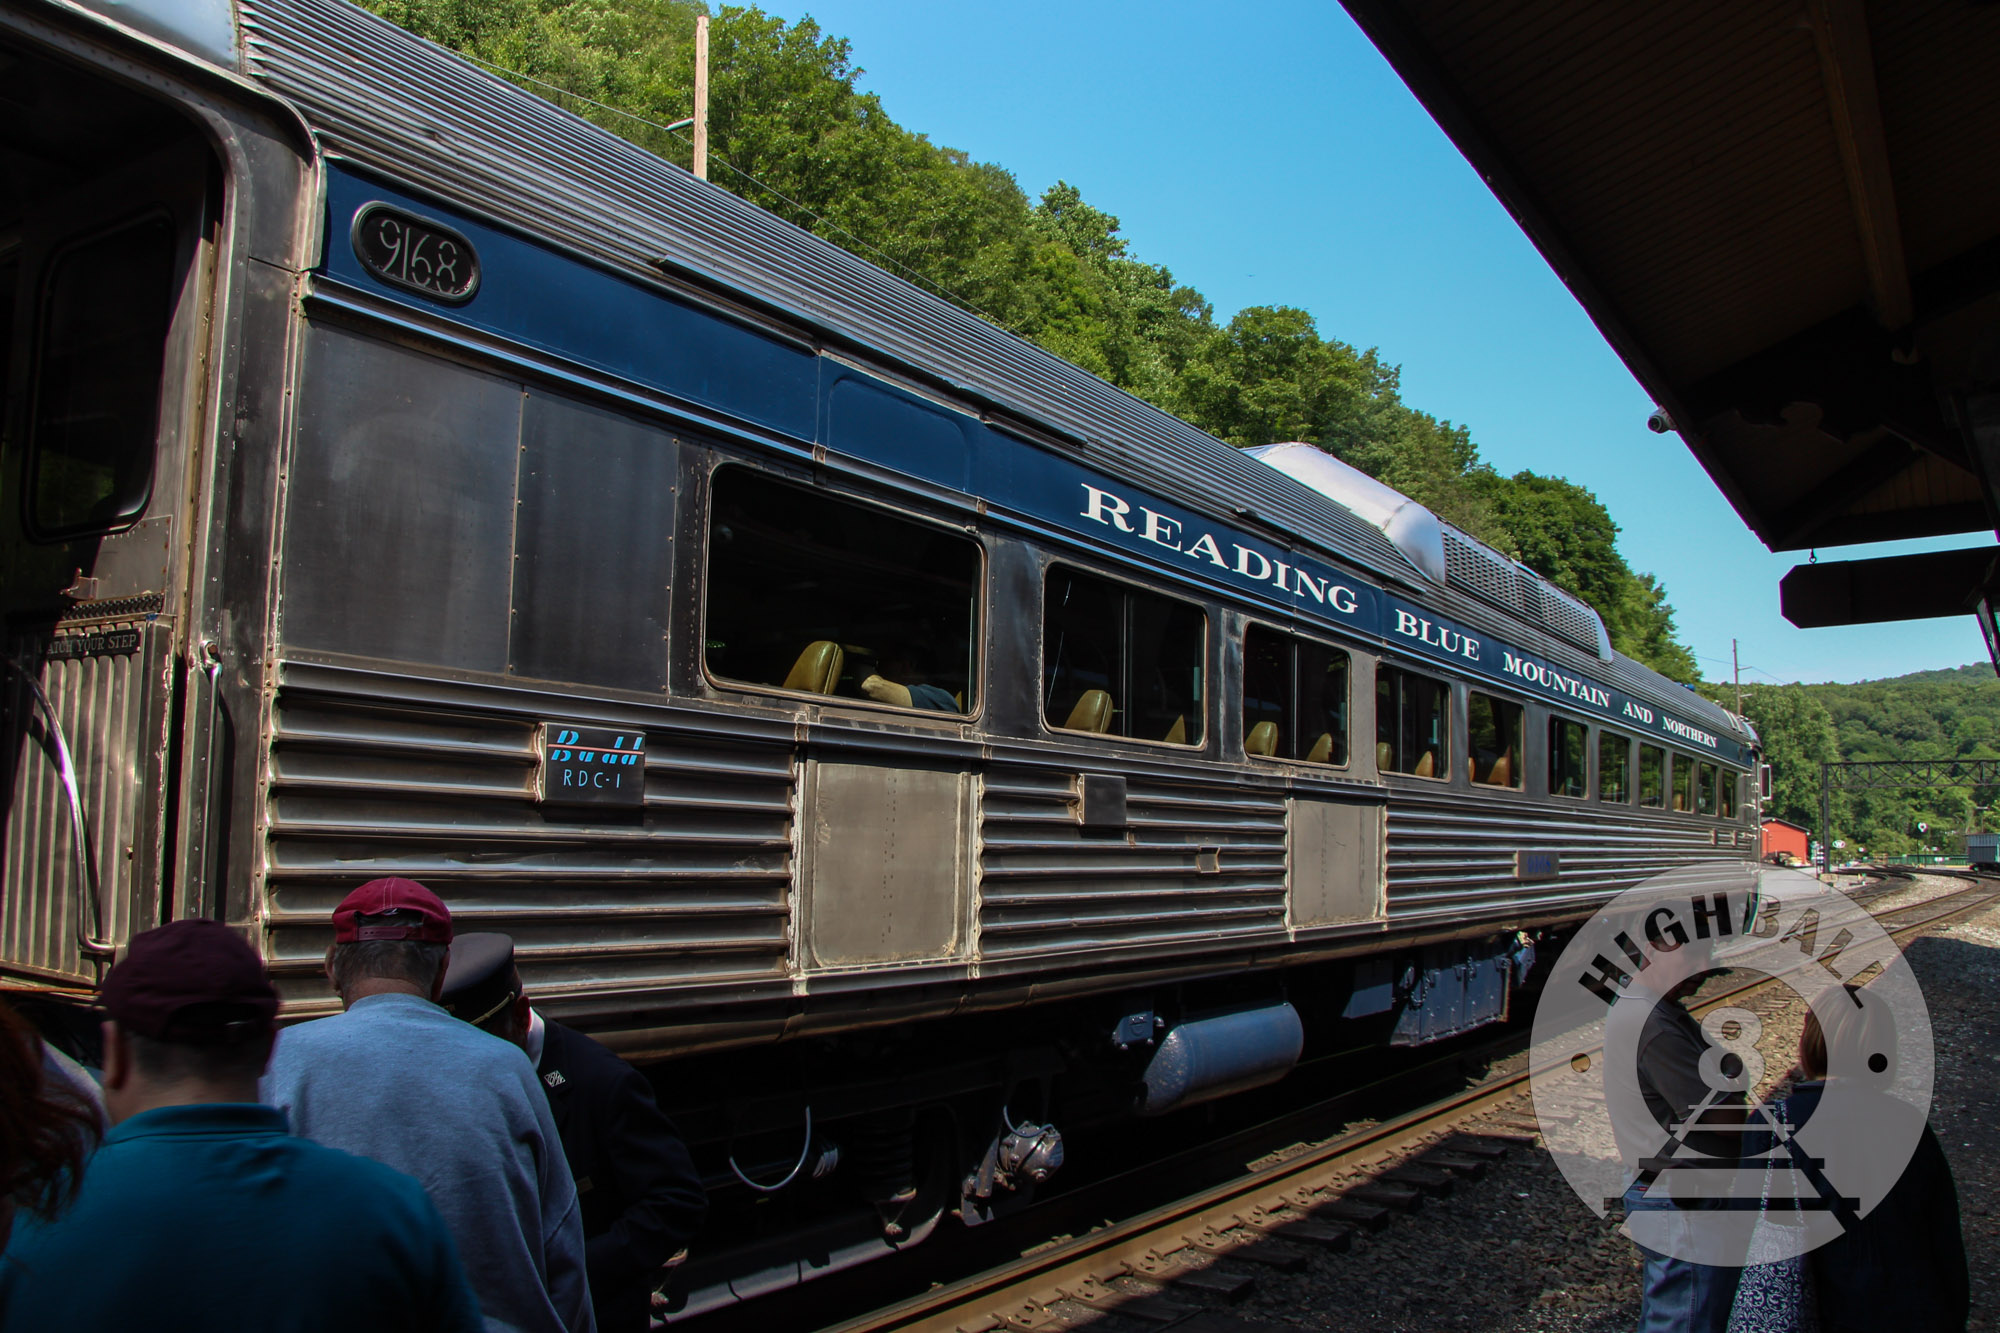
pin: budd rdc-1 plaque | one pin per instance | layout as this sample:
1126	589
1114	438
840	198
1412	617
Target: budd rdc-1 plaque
594	766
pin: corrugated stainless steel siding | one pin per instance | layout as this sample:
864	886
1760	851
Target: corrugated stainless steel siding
101	702
695	891
1450	856
1047	888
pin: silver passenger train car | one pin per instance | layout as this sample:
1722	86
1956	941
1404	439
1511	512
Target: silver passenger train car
869	718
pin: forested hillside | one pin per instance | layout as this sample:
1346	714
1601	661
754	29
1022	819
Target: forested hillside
790	132
1946	714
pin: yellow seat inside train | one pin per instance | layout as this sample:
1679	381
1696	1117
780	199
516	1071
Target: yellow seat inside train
1092	713
818	669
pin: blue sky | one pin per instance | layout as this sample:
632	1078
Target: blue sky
1278	160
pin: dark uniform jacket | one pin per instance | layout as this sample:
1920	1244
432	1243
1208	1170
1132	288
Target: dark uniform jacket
642	1199
1902	1266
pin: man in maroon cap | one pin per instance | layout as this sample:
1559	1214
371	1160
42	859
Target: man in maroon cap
398	1079
199	1211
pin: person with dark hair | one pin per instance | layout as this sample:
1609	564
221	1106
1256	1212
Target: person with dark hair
199	1211
47	1127
398	1079
642	1197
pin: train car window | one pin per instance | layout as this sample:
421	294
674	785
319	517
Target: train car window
1121	661
1322	712
811	593
1294	698
1652	776
1493	732
1704	801
1614	767
1569	755
1412	723
1683	782
1730	782
100	357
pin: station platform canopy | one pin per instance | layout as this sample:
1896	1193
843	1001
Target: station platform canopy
1785	217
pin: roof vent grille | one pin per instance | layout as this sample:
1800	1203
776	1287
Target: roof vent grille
1490	576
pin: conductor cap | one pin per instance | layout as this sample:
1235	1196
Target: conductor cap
479	979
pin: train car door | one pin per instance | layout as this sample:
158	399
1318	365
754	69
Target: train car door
105	275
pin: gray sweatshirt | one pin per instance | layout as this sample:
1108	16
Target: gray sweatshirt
398	1079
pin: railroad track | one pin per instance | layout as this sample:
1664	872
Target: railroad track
1269	1217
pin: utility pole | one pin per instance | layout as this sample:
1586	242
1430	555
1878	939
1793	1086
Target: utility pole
1736	669
701	96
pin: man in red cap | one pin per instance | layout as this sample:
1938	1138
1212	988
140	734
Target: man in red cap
199	1211
398	1079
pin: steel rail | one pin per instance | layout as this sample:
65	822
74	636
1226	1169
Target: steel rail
1137	1245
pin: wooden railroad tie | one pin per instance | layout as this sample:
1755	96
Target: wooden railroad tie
1426	1180
1357	1212
1463	1166
1307	1231
1388	1194
1228	1288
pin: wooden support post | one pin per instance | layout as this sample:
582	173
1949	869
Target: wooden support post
1847	66
701	96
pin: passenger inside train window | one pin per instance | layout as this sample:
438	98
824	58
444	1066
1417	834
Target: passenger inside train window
1121	661
1705	793
1412	723
1294	698
1569	752
1683	782
1493	732
816	594
1652	776
1614	767
1729	782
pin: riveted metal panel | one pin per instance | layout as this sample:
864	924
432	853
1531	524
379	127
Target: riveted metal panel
399	532
883	863
593	544
1337	849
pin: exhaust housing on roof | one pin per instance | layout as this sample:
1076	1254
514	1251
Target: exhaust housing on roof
1414	530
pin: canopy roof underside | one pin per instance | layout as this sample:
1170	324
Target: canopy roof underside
1784	214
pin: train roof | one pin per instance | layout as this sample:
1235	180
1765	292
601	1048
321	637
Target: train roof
385	100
